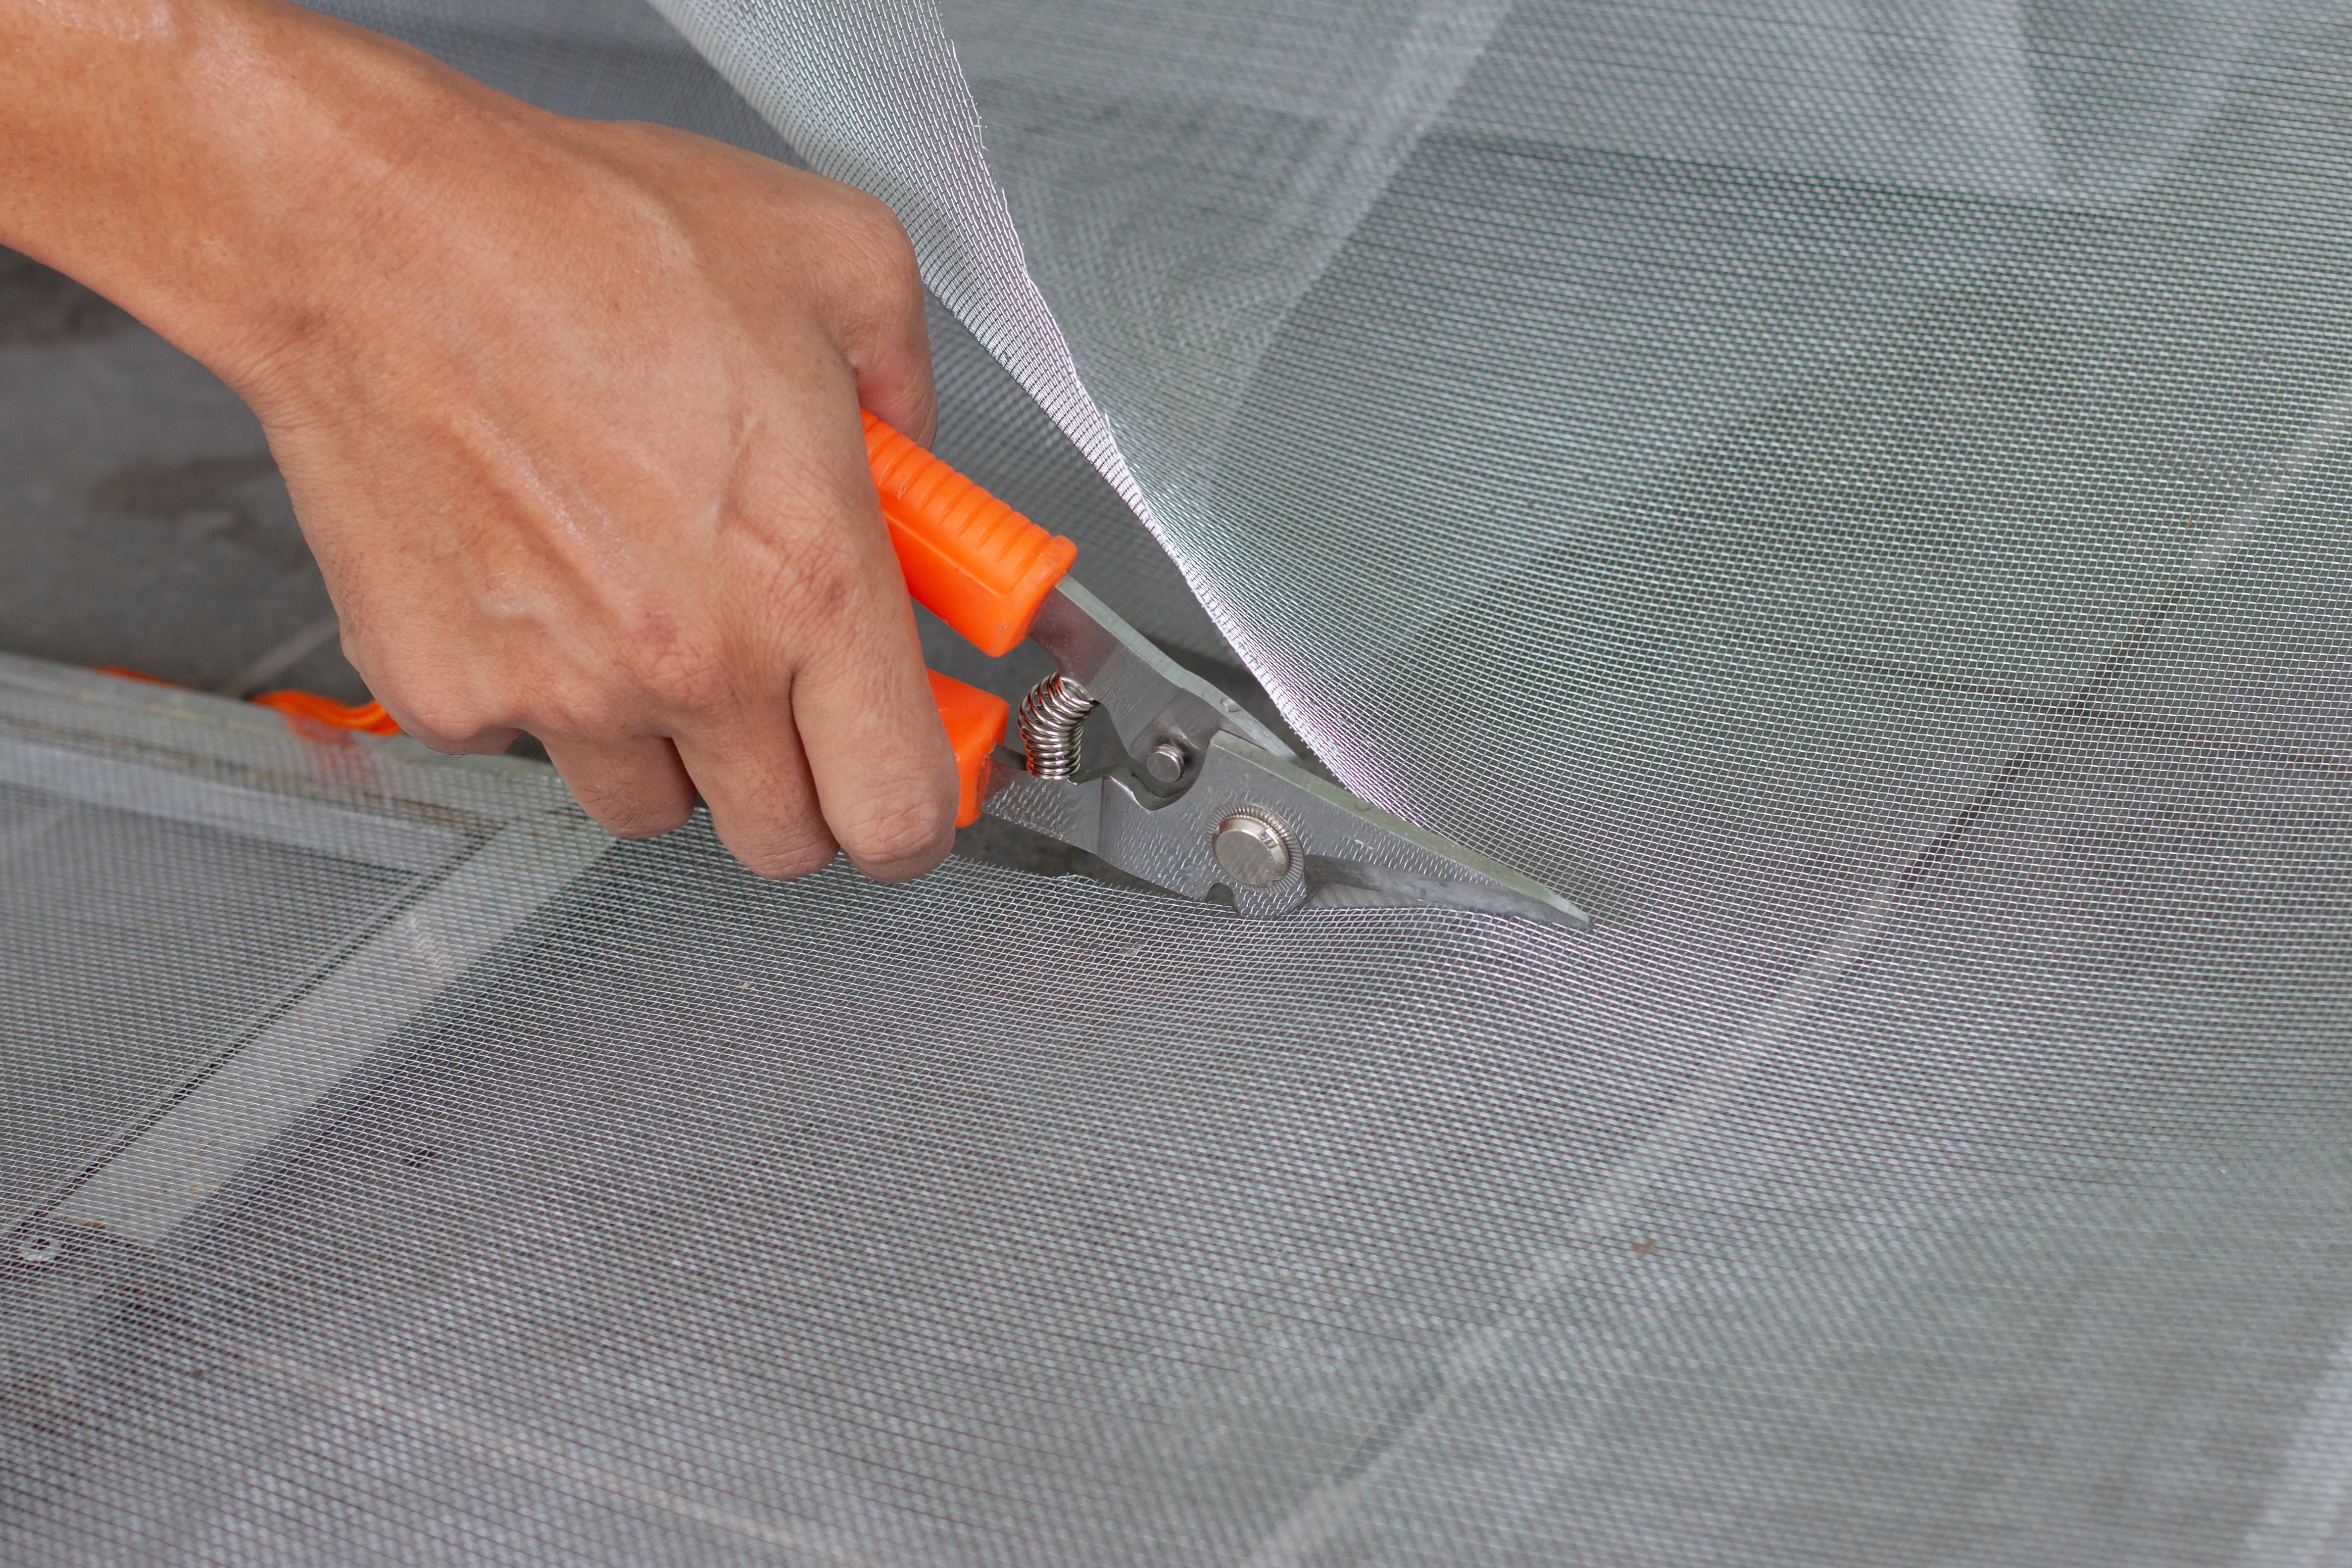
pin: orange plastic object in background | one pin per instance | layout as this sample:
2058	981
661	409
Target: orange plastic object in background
124	672
975	721
371	717
969	559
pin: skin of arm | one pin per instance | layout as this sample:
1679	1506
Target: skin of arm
568	409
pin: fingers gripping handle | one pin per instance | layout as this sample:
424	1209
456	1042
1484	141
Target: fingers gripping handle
969	559
975	721
977	565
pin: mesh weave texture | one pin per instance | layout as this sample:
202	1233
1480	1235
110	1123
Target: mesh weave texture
1852	494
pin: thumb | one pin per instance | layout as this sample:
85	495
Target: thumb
880	326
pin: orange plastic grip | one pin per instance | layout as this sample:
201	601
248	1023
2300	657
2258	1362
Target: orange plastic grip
975	721
969	559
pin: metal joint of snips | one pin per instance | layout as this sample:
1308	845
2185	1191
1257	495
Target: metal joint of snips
1207	801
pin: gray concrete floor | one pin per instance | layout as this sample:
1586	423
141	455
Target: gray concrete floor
143	523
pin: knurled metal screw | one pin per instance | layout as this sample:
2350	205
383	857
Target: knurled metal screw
1165	762
1251	851
39	1249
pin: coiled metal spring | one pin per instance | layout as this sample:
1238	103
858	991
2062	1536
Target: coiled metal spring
1051	718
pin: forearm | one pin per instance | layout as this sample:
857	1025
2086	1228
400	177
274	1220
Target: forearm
201	161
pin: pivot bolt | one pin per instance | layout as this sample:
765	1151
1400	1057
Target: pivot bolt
1165	762
1251	851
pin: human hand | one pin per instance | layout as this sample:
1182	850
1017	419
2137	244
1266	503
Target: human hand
569	414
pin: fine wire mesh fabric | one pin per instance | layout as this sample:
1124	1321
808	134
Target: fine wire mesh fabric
1854	494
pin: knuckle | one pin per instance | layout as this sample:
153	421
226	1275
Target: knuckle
647	824
631	816
574	709
682	673
817	589
913	833
439	717
628	797
873	251
781	860
877	232
577	710
772	839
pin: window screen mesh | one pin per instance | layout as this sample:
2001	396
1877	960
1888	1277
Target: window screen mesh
1854	494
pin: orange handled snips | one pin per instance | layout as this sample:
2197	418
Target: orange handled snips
1208	797
968	557
978	565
